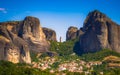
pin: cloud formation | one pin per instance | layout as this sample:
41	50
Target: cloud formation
3	10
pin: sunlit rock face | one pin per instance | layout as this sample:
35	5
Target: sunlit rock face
99	32
50	34
12	47
13	55
33	34
18	38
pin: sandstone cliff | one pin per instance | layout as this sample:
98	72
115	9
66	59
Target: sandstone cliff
99	32
33	34
18	38
13	48
31	31
50	34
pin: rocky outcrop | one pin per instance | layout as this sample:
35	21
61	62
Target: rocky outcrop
72	33
33	34
50	34
13	48
18	38
99	32
31	31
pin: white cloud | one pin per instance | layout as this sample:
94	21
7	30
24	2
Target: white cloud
3	10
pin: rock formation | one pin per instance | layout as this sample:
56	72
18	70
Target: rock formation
33	34
99	32
50	34
18	38
72	33
13	48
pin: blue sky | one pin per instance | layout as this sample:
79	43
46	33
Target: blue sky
58	14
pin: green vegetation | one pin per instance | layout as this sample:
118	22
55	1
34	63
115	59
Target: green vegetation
103	68
99	55
64	50
8	68
73	73
55	65
34	56
67	51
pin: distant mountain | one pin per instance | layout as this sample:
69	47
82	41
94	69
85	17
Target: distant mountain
99	32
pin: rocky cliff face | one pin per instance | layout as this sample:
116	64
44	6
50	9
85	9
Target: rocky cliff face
13	48
17	39
50	34
99	32
31	31
33	34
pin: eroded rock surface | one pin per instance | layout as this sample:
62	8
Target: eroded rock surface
18	38
33	34
13	48
99	32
